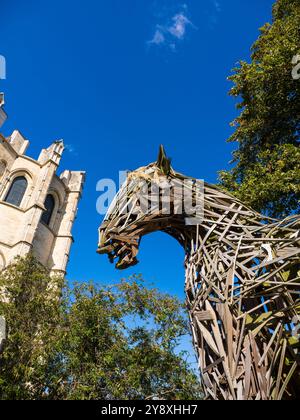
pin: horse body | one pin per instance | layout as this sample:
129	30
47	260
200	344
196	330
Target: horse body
242	280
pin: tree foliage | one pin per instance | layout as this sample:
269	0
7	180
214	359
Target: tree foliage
267	170
90	342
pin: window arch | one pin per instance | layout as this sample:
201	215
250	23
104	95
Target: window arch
49	205
17	191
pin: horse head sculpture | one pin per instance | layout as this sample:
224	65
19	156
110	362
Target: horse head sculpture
146	203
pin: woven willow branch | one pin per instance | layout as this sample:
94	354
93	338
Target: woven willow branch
242	283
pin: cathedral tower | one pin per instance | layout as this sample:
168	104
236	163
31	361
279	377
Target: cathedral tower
37	207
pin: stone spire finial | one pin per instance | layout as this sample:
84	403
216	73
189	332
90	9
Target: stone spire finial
53	152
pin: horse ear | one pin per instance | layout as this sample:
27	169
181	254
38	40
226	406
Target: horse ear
163	162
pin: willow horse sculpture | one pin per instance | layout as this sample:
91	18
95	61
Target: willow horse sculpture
242	281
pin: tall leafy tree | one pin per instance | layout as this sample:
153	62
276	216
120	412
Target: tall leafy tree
32	305
90	342
266	170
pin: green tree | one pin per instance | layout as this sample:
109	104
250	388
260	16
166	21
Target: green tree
266	169
91	342
31	303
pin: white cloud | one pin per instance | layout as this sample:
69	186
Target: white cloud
158	37
180	24
173	31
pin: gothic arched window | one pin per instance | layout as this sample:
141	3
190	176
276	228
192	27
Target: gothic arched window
17	191
49	205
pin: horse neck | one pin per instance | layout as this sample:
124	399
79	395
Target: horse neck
225	220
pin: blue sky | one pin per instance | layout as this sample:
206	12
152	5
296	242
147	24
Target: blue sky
116	78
